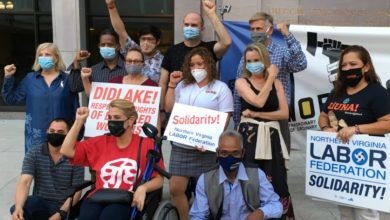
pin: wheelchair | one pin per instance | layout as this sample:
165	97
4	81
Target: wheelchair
161	210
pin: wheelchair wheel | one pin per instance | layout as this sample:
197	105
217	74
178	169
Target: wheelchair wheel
166	211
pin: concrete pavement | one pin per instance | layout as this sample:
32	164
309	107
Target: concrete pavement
12	153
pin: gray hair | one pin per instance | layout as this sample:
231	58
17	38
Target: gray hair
262	16
232	133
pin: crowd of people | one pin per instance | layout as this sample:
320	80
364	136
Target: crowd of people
245	178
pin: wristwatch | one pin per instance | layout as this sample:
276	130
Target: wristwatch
63	214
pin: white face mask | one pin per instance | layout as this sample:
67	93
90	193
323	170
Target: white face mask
199	74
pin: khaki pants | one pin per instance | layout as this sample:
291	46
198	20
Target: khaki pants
349	213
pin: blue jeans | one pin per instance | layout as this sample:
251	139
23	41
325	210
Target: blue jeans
104	211
36	208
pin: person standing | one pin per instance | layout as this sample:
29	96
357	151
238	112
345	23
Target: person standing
111	66
193	28
46	91
149	39
288	60
357	84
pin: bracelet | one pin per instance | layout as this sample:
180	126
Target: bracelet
323	127
357	130
110	6
162	110
172	87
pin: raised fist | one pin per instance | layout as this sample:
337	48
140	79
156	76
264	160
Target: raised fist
332	49
82	113
175	77
82	55
273	70
9	70
208	7
86	72
282	27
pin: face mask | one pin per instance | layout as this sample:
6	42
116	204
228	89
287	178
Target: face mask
351	77
133	69
116	128
46	63
255	68
55	139
191	33
199	74
108	53
229	163
147	47
259	37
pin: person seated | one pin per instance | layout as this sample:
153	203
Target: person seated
53	176
114	158
233	191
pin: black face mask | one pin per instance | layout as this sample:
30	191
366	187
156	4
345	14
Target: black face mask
351	77
55	139
116	127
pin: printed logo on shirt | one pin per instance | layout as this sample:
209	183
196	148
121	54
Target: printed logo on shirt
346	101
210	91
343	107
119	172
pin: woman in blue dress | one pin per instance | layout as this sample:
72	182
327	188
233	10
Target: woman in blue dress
46	92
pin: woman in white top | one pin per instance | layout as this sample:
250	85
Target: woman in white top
198	86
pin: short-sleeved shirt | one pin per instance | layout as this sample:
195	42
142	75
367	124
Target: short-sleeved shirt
363	107
115	167
216	96
174	57
119	79
152	67
51	181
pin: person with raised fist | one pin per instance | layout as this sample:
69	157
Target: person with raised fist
46	91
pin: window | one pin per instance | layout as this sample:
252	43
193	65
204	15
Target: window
22	29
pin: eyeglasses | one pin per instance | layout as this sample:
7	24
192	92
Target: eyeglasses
136	62
224	153
150	39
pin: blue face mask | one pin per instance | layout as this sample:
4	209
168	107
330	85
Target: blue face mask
229	163
108	53
46	63
191	33
255	68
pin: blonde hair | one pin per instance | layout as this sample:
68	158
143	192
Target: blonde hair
126	106
262	16
58	66
264	57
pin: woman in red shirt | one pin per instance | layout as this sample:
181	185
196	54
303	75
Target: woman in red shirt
114	158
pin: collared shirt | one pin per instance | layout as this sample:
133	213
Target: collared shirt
51	180
152	67
290	59
234	206
43	103
100	73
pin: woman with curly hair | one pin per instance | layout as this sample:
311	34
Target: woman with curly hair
198	86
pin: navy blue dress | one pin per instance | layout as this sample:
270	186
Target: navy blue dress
43	103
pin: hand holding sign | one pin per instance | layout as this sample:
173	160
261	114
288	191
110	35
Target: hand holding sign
9	70
346	133
86	72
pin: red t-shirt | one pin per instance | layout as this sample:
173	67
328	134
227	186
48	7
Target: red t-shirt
115	167
119	79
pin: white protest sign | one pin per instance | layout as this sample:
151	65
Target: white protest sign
355	173
195	126
146	100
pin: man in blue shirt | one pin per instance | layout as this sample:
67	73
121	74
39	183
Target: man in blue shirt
289	59
227	183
